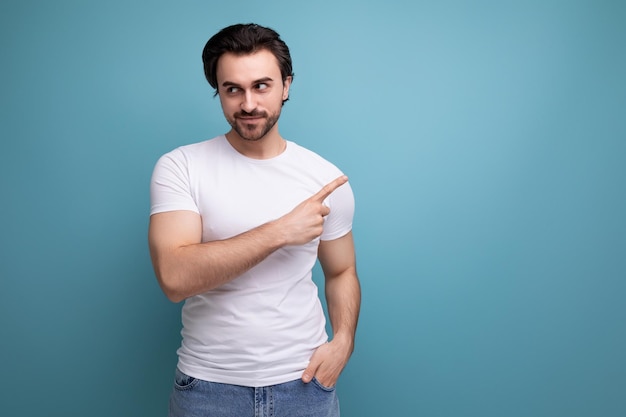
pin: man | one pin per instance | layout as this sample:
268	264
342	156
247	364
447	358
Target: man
237	223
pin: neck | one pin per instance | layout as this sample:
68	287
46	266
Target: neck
269	146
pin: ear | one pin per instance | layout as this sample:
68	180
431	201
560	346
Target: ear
286	85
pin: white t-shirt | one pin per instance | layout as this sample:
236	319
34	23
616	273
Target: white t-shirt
262	327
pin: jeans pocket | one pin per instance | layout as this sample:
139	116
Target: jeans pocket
322	386
183	381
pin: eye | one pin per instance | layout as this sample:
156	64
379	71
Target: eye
262	86
232	90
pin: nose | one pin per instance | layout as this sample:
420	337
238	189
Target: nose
248	103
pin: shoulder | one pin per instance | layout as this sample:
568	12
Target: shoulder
187	157
311	160
197	150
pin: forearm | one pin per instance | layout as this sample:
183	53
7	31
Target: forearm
196	268
185	267
343	297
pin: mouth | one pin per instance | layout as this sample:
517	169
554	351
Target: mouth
253	115
250	121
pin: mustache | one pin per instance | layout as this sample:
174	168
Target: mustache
253	113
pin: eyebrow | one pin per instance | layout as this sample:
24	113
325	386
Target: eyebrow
259	81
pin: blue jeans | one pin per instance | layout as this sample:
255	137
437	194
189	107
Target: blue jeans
193	397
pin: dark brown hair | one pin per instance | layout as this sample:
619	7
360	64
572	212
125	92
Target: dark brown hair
244	39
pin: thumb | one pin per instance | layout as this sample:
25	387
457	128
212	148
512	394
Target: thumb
310	371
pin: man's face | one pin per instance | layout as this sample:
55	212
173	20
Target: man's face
251	91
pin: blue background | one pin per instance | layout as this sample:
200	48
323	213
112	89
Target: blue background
486	145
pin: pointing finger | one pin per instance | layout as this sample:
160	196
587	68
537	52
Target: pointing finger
329	188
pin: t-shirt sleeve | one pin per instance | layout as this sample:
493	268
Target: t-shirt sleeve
339	221
170	187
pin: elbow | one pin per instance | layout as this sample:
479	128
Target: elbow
169	285
171	292
173	296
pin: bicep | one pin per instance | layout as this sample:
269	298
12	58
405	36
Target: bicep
173	229
337	256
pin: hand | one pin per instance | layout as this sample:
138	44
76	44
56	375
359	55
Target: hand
327	363
305	222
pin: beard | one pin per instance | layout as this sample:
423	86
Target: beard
253	131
